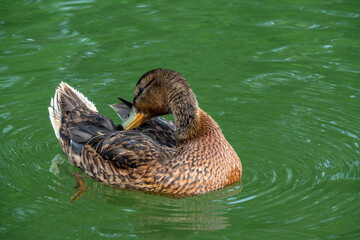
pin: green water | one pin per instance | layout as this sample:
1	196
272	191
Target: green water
282	79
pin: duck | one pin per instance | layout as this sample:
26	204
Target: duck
146	152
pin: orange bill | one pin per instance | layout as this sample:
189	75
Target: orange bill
134	120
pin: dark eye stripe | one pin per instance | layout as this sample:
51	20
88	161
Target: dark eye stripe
147	85
141	90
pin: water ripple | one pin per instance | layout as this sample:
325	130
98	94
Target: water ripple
281	80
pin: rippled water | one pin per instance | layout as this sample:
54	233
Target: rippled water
280	77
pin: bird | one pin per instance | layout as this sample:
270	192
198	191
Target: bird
146	152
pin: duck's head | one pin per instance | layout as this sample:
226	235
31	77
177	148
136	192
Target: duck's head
160	92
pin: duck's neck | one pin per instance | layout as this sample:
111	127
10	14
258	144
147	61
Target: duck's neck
184	107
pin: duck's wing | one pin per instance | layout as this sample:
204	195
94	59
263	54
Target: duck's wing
126	159
128	149
153	140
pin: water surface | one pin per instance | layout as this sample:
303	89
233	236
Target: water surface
280	77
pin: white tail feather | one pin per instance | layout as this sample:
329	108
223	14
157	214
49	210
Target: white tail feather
55	111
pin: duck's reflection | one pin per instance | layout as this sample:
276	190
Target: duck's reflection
161	216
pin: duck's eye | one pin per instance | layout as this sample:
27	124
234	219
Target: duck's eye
141	90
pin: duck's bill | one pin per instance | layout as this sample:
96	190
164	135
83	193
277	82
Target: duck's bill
134	120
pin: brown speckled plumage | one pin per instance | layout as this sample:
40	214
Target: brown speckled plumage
190	156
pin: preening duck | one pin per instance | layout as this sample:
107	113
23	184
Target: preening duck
147	152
